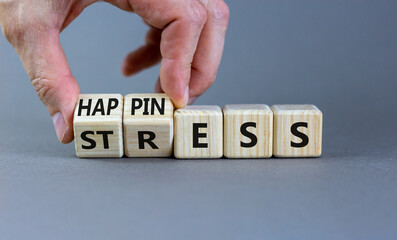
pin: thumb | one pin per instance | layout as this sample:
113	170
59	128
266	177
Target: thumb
50	74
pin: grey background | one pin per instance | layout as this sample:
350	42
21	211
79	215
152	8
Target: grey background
339	55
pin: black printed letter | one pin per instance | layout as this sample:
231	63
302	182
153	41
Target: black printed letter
244	131
148	140
197	135
87	107
87	139
136	103
105	138
111	106
99	108
295	132
146	111
160	109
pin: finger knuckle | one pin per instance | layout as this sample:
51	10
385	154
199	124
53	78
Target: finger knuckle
44	89
221	12
13	33
17	31
13	24
197	14
19	26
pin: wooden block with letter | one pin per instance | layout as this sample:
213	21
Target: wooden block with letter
98	123
247	131
297	131
148	125
198	132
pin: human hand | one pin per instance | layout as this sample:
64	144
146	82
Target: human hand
187	36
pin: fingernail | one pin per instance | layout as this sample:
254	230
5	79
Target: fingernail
191	100
60	125
187	95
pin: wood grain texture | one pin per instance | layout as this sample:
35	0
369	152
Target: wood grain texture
237	143
154	118
98	124
284	118
212	135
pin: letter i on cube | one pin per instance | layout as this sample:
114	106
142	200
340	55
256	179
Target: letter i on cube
148	125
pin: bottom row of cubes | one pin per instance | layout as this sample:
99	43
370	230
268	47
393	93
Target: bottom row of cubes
146	125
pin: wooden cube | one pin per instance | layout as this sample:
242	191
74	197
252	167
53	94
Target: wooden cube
198	132
148	125
247	131
297	131
98	125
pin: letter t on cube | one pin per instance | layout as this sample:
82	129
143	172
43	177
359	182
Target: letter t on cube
148	125
98	124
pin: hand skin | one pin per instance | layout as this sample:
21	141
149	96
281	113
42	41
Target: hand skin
187	36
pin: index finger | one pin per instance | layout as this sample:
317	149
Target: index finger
182	23
178	45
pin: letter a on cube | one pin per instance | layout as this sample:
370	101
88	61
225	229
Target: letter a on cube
148	125
248	131
297	131
98	125
198	132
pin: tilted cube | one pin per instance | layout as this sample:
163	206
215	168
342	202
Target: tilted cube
98	124
247	131
297	131
148	125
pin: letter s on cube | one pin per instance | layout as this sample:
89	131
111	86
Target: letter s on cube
247	131
297	131
97	124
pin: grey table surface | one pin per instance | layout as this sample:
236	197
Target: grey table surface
339	55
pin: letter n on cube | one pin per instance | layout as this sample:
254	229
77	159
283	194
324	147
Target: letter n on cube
148	125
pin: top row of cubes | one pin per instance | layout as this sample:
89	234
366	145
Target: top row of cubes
146	125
